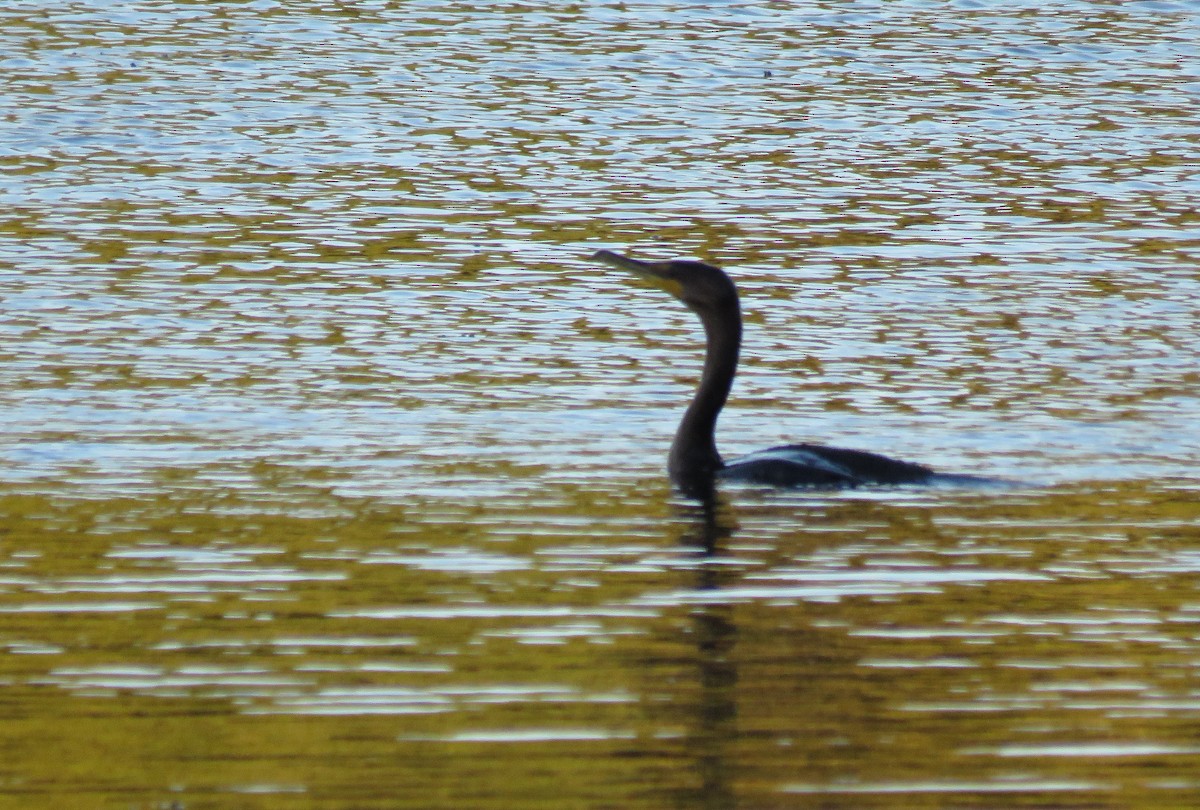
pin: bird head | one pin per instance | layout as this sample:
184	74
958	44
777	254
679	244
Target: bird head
701	286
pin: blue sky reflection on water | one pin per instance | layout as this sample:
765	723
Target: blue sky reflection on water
995	208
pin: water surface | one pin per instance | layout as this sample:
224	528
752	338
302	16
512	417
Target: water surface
331	467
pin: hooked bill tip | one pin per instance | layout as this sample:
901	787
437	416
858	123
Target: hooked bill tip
617	260
607	256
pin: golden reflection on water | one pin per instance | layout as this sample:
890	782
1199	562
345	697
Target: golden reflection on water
356	652
332	469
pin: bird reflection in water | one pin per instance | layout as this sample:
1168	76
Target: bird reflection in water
714	728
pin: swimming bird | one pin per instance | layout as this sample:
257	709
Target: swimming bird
694	463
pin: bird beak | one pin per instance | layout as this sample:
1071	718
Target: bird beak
658	273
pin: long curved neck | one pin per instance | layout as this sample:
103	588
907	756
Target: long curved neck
694	458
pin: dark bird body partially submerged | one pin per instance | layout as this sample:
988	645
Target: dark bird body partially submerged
694	462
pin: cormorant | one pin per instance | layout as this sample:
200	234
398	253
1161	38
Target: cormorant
694	462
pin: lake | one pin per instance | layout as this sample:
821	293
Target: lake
332	468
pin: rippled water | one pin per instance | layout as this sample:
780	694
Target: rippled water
331	467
